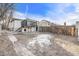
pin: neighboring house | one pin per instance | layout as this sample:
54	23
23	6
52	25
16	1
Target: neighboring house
43	26
28	25
21	25
15	24
44	23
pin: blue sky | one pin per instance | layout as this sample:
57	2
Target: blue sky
39	9
53	12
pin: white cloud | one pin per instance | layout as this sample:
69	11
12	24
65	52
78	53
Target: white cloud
77	7
31	16
73	17
58	16
35	17
19	15
70	18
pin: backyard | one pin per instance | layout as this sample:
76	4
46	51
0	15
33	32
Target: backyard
38	44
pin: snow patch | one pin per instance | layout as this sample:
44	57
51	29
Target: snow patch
12	38
42	40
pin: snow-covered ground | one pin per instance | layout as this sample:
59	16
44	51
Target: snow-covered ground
42	40
12	38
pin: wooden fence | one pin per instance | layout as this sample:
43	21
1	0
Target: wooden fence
64	30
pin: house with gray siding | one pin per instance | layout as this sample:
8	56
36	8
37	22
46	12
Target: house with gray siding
28	25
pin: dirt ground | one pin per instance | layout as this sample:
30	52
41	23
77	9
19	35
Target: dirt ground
54	50
61	45
6	47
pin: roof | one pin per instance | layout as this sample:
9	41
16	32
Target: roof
28	20
46	21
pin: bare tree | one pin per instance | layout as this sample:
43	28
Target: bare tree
6	13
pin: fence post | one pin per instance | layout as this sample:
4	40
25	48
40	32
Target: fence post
77	28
